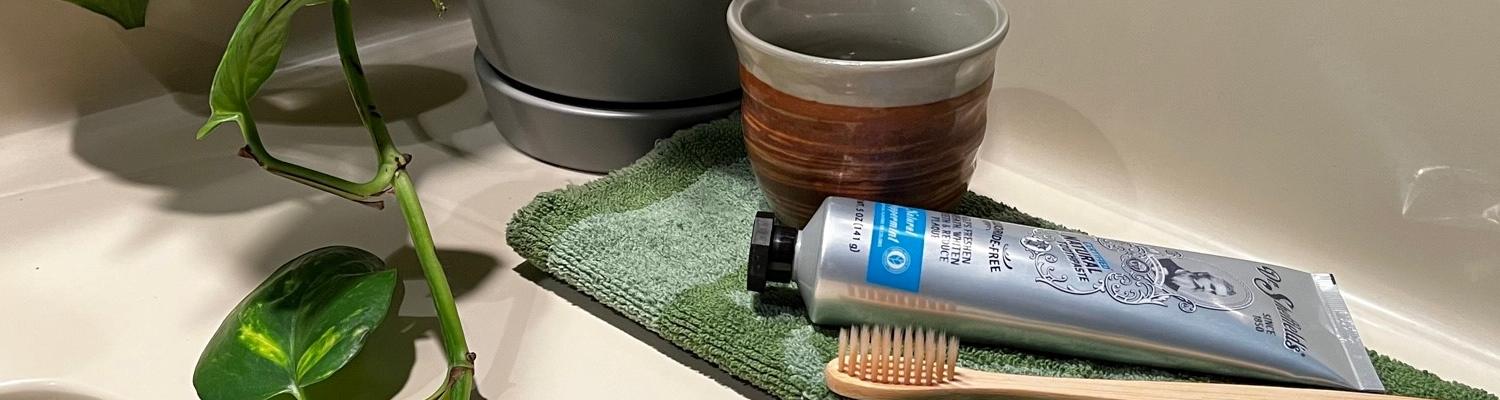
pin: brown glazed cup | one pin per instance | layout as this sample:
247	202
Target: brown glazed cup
872	99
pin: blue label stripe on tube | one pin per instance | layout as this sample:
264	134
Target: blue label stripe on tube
896	247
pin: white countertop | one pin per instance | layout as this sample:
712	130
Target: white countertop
126	242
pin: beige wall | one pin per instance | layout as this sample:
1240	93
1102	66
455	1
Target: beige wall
58	61
1357	137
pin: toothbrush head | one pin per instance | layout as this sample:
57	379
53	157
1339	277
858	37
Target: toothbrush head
896	355
893	363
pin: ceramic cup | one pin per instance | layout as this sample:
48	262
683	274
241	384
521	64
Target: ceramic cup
872	99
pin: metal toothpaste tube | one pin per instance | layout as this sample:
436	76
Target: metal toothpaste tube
867	262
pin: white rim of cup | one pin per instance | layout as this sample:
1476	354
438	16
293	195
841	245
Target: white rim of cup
1002	17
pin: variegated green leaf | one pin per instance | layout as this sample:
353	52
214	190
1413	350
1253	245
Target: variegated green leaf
249	59
298	327
128	13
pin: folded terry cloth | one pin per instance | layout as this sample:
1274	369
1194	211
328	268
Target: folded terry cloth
664	242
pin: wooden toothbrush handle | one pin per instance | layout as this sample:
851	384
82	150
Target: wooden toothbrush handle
1036	387
970	384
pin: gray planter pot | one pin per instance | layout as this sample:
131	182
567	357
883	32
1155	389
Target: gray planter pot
590	137
610	50
593	84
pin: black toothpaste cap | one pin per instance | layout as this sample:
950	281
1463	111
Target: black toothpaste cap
772	247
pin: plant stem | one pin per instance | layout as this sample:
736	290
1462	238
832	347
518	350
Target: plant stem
390	175
454	343
459	379
354	75
360	192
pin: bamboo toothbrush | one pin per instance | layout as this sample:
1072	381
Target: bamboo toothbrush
886	363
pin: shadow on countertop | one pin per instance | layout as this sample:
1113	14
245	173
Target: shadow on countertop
317	122
384	365
304	114
599	310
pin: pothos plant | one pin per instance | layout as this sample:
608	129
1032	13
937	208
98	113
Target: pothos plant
311	316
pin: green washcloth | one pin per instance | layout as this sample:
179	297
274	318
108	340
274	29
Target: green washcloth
664	242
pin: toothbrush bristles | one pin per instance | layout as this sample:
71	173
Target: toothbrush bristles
907	362
897	355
